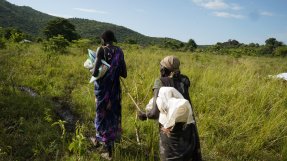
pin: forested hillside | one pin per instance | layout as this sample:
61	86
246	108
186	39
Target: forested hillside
33	22
23	18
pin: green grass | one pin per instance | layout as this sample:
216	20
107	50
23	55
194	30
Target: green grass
241	113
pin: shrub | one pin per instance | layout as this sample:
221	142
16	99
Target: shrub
2	43
56	44
17	37
265	50
281	51
83	44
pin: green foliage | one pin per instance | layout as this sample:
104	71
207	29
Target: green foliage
130	41
273	43
78	145
62	27
61	124
23	18
253	45
281	51
24	134
265	50
2	43
32	22
56	44
17	37
241	113
83	44
190	45
172	44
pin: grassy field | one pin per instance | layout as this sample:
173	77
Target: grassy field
241	112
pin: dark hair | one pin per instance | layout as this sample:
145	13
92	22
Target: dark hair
108	36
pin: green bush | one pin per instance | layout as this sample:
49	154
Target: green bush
83	44
2	43
265	50
56	44
281	51
17	37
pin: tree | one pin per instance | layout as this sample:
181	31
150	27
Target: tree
190	45
63	27
273	43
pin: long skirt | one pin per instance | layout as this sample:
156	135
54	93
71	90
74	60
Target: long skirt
180	144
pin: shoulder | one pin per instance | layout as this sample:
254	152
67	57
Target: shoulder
157	84
100	51
117	48
184	79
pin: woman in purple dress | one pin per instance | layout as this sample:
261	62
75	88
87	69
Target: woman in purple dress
108	93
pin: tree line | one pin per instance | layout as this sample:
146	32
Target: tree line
60	33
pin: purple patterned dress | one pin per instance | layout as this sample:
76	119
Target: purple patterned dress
108	95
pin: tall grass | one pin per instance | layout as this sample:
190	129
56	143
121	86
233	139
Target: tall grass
240	111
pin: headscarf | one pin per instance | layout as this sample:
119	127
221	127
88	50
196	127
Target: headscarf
171	62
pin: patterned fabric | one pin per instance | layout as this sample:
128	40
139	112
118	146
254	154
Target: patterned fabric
108	101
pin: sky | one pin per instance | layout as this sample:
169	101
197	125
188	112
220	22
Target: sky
205	21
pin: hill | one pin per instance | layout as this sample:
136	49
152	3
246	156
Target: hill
32	22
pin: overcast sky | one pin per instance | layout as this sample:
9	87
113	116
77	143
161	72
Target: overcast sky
205	21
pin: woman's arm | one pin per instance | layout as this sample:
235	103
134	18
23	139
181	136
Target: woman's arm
154	113
98	63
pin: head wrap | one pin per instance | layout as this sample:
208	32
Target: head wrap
171	62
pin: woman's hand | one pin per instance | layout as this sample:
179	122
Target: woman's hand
141	115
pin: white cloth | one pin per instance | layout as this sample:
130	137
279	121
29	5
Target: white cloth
90	64
172	106
282	76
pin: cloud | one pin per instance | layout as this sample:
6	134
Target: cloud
228	15
217	4
265	13
235	6
60	15
90	10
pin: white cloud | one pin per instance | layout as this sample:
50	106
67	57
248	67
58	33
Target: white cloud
228	15
265	13
90	10
235	6
217	4
60	15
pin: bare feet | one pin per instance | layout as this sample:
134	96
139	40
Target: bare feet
106	156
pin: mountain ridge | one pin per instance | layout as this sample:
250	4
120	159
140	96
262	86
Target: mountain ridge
33	22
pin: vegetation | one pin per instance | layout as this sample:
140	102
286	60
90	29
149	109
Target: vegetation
56	44
241	112
33	22
62	27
